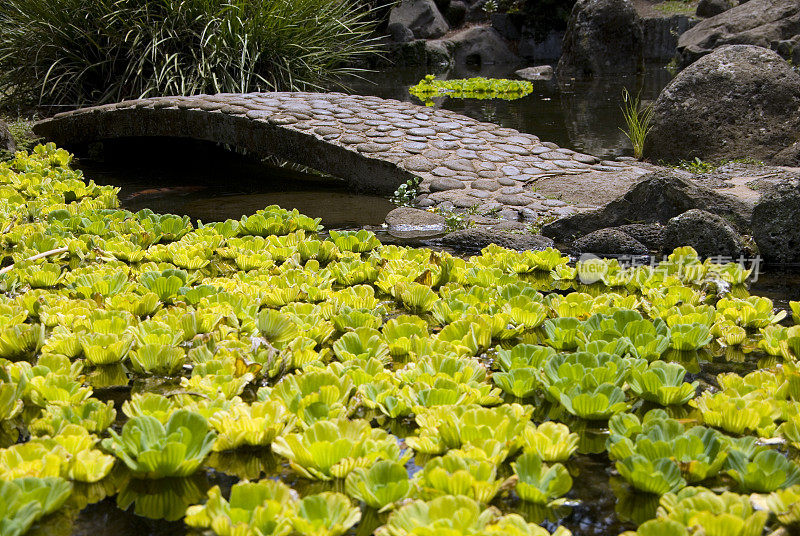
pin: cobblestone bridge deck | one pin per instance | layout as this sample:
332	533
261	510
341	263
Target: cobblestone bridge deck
374	144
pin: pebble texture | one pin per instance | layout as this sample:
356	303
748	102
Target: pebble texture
375	144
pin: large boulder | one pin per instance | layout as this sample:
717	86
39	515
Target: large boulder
658	197
775	222
422	17
757	22
710	235
399	33
6	139
480	46
649	234
739	101
603	37
476	11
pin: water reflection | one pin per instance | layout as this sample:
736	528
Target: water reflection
166	498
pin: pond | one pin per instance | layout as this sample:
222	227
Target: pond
211	184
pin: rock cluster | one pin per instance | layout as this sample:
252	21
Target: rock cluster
775	222
657	198
773	24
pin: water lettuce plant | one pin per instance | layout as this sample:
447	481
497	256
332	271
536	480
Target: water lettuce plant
332	449
725	513
766	471
263	507
697	453
379	486
538	483
663	384
154	450
25	500
785	504
550	441
325	514
471	88
465	472
495	431
457	516
253	425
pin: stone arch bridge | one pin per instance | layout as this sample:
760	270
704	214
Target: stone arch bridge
374	144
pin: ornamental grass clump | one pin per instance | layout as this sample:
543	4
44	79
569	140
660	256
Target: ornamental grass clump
67	52
638	120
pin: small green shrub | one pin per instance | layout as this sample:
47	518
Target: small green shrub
638	120
406	192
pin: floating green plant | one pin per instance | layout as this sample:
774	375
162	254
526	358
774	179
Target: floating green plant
260	347
471	88
153	450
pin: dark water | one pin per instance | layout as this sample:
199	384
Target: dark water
208	183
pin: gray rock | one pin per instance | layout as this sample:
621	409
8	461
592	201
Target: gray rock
480	46
775	223
509	225
657	197
475	11
711	8
422	17
400	33
477	238
541	72
406	222
757	22
443	184
609	242
509	25
418	52
739	101
456	13
649	234
508	214
661	35
6	139
603	37
709	234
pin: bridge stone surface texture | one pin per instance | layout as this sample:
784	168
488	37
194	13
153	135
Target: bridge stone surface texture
374	144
